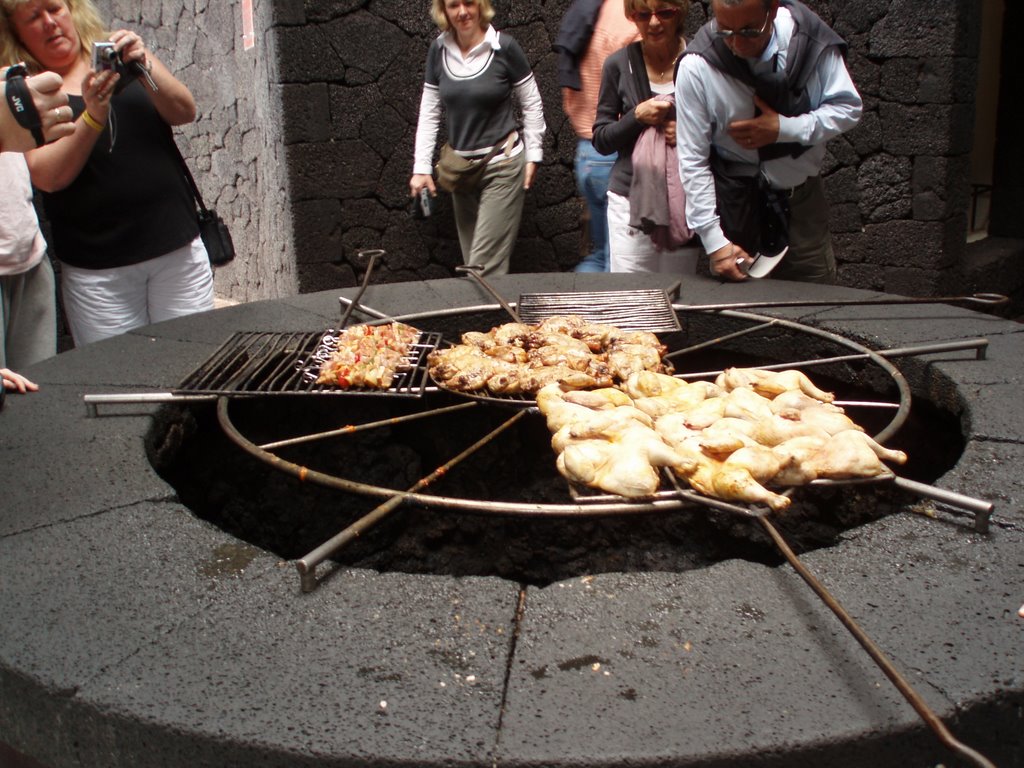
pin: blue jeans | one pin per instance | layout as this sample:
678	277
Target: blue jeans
592	173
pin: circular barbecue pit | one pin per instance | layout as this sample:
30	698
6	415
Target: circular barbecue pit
446	636
504	510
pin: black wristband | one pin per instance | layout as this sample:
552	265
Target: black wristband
19	99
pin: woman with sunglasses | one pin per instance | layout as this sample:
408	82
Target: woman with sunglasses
636	95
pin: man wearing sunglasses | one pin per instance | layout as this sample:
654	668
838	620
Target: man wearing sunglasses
759	93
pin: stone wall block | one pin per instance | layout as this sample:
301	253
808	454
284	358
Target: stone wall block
364	42
884	182
534	254
322	276
301	56
915	29
852	244
326	10
288	12
939	186
922	244
318	231
305	112
926	130
866	138
865	276
856	17
343	169
841	185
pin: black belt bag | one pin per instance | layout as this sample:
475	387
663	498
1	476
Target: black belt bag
752	214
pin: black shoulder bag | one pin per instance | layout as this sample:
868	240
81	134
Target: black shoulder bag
212	228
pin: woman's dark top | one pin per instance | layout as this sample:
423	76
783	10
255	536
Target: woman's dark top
130	203
479	108
624	84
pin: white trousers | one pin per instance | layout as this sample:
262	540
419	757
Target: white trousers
100	303
633	251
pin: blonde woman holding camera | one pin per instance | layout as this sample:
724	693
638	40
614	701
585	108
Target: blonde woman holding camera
122	216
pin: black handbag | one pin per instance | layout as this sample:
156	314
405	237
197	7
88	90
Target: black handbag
212	229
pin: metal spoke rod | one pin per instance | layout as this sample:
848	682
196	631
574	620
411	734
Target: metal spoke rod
982	299
979	345
981	509
92	401
351	429
719	340
930	718
307	565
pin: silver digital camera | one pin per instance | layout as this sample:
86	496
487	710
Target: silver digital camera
104	57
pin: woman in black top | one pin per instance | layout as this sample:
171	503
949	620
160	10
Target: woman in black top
122	216
636	88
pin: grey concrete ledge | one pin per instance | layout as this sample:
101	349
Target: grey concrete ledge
134	634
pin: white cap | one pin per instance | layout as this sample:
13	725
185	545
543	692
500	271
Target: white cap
764	263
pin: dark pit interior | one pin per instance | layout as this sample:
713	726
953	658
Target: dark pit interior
279	513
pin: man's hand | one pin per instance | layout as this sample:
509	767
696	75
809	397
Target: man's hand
758	131
55	116
728	261
16	382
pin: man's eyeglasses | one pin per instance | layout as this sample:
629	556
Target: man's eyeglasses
663	14
747	32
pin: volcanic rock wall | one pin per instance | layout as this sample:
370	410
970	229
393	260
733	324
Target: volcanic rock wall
305	141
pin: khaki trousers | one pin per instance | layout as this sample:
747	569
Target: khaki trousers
810	258
488	217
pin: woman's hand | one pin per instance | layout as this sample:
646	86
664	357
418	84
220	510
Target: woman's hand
531	173
669	129
97	90
131	48
419	181
653	111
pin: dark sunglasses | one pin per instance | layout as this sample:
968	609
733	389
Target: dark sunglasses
747	32
663	14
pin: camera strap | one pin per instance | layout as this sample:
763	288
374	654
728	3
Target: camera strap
19	99
188	174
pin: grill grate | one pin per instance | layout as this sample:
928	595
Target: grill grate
641	310
266	363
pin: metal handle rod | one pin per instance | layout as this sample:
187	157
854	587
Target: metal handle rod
720	340
92	401
982	509
920	349
930	718
984	299
307	565
363	308
351	429
474	272
372	255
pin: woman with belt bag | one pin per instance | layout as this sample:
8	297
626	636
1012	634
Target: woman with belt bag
489	162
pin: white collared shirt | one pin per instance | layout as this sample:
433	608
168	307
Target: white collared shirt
467	66
707	101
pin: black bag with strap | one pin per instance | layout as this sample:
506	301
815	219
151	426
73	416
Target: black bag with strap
212	229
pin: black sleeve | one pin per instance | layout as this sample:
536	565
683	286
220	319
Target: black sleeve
616	128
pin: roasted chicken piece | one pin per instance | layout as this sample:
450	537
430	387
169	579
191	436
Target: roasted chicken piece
771	383
795	400
625	464
745	403
549	349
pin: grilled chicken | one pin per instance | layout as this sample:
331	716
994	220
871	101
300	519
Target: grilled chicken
771	383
